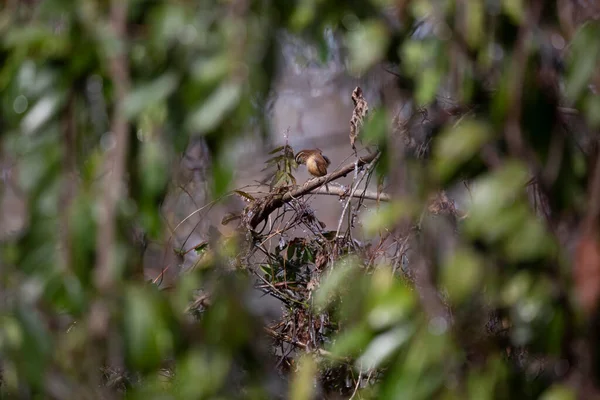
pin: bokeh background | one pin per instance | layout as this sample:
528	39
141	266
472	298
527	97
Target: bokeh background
138	139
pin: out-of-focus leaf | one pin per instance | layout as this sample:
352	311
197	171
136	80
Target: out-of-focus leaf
148	94
222	173
352	342
387	215
457	145
343	272
389	305
558	392
461	274
583	59
215	108
303	14
514	9
11	333
592	110
212	70
375	127
495	191
367	45
36	345
303	387
383	346
529	242
516	288
482	384
200	374
474	21
148	339
43	110
153	164
428	83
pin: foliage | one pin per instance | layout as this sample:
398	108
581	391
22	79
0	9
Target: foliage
99	99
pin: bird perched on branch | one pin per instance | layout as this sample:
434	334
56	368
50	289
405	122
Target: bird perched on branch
315	161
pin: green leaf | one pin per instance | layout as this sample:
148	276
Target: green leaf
222	173
457	145
375	127
148	94
276	150
461	274
474	21
387	215
216	107
244	195
583	60
383	346
558	392
428	83
350	343
303	14
147	338
592	110
514	9
201	248
43	110
302	386
367	45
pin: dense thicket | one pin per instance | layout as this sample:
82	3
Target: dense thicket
409	296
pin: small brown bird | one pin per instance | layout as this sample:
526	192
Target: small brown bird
315	161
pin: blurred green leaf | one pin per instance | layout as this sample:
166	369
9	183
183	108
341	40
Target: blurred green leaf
43	110
215	108
461	275
592	110
514	9
583	59
147	337
428	81
458	145
344	271
375	127
352	341
474	22
383	346
558	392
145	95
302	386
367	45
388	215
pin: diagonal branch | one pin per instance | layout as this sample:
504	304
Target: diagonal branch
259	210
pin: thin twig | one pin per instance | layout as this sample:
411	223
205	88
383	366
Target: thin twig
302	345
259	210
352	194
341	192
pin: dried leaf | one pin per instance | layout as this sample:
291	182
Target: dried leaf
361	108
229	217
244	194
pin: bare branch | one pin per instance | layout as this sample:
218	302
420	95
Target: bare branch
341	192
322	352
259	210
